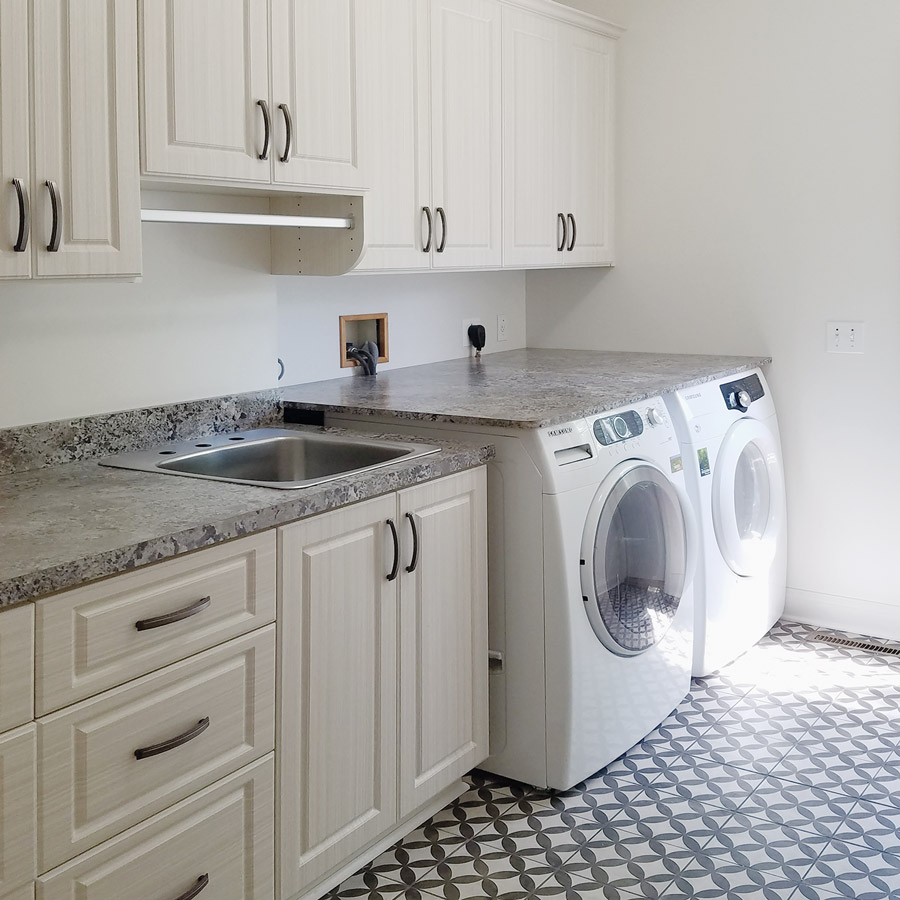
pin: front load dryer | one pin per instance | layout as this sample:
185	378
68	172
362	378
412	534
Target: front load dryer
732	453
590	563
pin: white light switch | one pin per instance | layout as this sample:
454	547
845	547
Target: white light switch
845	337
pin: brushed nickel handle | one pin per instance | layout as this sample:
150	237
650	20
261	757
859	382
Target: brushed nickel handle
289	132
395	569
172	743
561	220
267	128
55	204
24	217
202	882
175	616
427	247
415	551
574	233
443	217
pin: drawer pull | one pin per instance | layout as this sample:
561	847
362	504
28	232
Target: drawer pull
172	743
174	616
202	882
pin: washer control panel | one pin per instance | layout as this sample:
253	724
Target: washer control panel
741	393
619	427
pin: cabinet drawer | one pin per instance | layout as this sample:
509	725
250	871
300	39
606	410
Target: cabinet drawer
22	893
17	857
16	666
88	639
92	783
225	833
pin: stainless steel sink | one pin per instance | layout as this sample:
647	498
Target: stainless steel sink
272	457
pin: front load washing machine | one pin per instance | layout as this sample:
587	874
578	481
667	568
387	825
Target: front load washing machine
729	439
590	565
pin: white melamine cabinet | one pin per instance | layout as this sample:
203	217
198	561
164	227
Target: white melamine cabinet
260	91
395	132
337	735
80	200
17	809
314	92
205	72
557	154
430	133
465	133
417	681
443	635
16	666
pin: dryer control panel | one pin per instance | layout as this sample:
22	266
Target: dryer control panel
619	427
741	393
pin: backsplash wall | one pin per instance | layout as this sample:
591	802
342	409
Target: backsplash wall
208	319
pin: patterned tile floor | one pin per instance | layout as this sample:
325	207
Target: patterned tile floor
776	778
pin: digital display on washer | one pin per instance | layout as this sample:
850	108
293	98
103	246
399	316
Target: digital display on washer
620	427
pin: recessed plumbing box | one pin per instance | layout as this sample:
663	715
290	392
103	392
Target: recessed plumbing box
356	330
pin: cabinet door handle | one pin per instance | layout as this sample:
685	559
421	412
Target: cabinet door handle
574	233
561	220
288	132
395	569
172	743
24	217
175	616
443	217
267	128
201	883
415	551
55	229
427	211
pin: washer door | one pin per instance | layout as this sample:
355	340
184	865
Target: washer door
748	497
634	558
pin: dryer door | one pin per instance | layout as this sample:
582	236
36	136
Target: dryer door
748	497
633	558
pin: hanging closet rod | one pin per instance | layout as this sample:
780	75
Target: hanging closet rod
223	218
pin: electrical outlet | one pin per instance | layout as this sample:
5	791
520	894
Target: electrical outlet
845	337
502	328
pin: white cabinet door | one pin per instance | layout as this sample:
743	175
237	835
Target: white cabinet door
17	808
587	162
465	132
205	68
394	132
443	635
337	788
533	211
314	92
85	138
15	128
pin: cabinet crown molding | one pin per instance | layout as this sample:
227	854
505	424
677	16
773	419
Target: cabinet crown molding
563	13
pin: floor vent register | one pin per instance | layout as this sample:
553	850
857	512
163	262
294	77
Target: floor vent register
826	638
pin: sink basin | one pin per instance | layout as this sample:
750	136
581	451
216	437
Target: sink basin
272	457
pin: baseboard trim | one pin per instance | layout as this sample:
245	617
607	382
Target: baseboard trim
844	613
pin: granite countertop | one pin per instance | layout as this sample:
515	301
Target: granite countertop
516	388
65	525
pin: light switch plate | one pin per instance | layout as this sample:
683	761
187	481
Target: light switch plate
845	337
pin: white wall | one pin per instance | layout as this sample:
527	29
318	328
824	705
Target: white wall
426	314
759	197
208	318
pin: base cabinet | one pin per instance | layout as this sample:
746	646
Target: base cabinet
383	644
17	809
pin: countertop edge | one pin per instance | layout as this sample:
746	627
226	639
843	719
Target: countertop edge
32	586
624	399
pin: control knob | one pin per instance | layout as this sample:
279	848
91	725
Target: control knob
654	416
741	400
621	427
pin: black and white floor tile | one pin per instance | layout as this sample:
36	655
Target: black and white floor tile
777	778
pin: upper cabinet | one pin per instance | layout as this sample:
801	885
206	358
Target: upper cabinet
429	76
557	152
69	177
209	113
